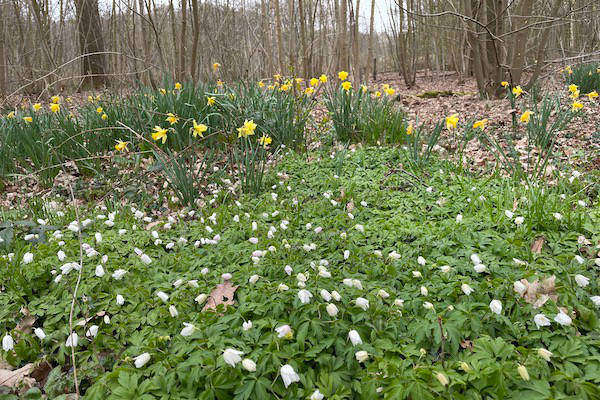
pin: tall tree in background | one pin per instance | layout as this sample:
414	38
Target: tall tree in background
91	43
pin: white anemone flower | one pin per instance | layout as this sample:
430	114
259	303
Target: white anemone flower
354	337
232	356
288	375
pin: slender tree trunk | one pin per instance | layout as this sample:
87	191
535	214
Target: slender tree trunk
183	40
371	34
91	43
280	54
196	21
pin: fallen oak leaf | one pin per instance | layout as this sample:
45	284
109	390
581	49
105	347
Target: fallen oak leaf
18	377
223	293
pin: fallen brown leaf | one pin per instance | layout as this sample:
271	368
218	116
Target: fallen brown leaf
538	243
222	294
18	377
538	293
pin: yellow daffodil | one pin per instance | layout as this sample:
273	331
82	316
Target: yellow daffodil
385	86
104	117
343	75
37	106
299	80
409	129
378	94
284	88
264	141
172	118
314	82
517	91
576	106
592	95
54	107
27	119
309	90
99	110
55	99
178	86
568	70
526	116
261	84
451	121
247	129
346	85
480	124
90	99
216	66
573	88
504	84
198	129
574	95
210	101
389	91
10	114
219	82
271	87
323	78
162	91
159	133
364	88
121	146
277	77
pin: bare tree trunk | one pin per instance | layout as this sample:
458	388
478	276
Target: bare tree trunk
266	35
2	55
303	49
183	39
356	70
280	54
196	28
371	30
343	30
91	43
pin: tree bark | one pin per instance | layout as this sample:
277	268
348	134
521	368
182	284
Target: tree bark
91	43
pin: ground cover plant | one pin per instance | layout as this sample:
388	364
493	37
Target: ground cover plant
342	288
271	248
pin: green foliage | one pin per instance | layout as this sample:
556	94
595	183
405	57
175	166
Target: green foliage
360	118
408	345
586	77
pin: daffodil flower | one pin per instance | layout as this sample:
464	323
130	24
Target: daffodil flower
346	85
247	129
172	118
178	86
37	106
480	124
159	133
314	82
121	146
210	101
517	91
526	116
592	95
451	121
323	78
504	84
576	106
198	129
343	75
54	107
265	141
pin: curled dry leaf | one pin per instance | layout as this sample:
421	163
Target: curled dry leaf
223	293
538	293
17	378
26	322
538	243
